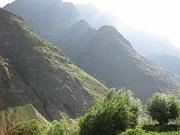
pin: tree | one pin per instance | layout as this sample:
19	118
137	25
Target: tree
58	128
118	111
163	107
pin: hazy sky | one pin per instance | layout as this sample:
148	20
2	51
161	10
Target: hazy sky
161	17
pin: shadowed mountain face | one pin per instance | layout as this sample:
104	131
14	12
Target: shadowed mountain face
143	42
168	62
108	56
33	71
105	54
46	17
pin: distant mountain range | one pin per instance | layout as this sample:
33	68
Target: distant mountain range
109	57
104	53
37	80
168	62
54	15
143	42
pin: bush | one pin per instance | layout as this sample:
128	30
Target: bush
162	107
33	127
58	128
118	111
63	127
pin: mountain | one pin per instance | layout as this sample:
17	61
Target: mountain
50	18
46	17
143	42
95	17
147	44
107	55
35	72
168	62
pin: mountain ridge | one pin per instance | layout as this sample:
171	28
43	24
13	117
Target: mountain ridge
109	56
38	73
167	62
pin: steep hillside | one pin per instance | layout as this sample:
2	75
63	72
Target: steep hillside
46	17
107	55
33	71
145	43
168	62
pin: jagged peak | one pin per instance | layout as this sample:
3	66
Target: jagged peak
107	28
82	23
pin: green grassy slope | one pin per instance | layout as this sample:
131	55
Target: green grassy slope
41	75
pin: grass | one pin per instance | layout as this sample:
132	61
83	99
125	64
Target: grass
154	130
64	127
58	60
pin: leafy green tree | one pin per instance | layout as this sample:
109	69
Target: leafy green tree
163	107
118	111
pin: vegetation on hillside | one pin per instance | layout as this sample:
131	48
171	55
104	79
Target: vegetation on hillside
117	114
34	71
104	53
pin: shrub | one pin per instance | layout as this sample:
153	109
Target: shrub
63	127
162	107
33	127
58	128
118	111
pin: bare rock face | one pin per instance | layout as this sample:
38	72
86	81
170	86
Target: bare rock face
33	71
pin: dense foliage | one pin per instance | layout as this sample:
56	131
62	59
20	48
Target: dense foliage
34	127
140	131
118	111
58	128
117	114
162	107
30	128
